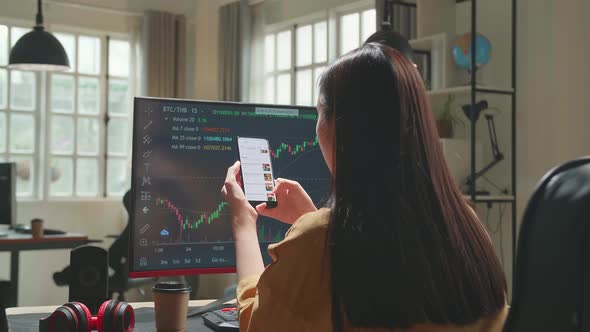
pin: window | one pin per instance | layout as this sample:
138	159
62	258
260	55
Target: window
291	80
355	28
74	120
84	136
278	66
19	116
295	56
77	119
119	119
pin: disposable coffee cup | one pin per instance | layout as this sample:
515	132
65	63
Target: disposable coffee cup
171	305
37	227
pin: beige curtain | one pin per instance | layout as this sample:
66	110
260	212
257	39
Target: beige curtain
230	52
164	51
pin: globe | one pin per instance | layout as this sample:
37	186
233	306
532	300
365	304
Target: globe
462	51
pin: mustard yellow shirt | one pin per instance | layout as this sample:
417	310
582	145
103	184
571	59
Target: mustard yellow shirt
294	293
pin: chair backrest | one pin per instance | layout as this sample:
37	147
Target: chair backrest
551	290
119	250
3	320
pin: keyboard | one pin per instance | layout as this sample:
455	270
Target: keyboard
225	319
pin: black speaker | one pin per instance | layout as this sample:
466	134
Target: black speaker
89	282
8	194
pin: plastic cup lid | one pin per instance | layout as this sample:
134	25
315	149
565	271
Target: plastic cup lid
171	287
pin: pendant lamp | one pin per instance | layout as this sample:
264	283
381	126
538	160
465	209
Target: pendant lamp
38	49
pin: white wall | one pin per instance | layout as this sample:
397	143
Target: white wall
277	11
206	57
553	82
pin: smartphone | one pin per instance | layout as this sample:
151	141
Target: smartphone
256	168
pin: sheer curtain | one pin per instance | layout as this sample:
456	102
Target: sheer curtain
164	54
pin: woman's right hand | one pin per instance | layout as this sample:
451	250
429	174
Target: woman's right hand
293	202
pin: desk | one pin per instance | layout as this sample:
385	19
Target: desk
135	305
16	242
144	317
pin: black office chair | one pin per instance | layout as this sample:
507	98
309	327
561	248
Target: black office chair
552	278
118	255
3	320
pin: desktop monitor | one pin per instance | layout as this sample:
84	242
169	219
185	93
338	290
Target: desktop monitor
7	195
181	151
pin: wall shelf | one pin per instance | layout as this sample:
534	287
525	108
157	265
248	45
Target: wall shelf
466	89
492	198
426	43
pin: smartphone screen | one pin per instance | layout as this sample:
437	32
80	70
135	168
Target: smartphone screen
257	175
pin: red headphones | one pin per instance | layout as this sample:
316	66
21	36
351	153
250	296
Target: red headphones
113	316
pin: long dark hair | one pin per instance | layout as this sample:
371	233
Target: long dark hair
405	246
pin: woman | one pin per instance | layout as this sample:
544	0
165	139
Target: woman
399	250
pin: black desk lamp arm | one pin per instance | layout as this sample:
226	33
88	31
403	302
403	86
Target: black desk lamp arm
498	156
493	138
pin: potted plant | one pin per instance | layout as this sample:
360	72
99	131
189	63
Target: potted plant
446	120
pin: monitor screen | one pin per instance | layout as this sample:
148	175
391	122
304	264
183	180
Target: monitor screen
181	151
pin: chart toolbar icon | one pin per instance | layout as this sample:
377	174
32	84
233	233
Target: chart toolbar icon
146	196
147	125
146	180
145	227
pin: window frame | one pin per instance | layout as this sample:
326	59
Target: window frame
275	73
103	117
42	114
357	7
131	86
38	115
292	25
332	18
75	115
313	66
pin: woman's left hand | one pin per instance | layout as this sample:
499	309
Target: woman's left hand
244	215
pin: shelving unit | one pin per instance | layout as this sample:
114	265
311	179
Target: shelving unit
425	43
491	198
437	28
466	89
511	93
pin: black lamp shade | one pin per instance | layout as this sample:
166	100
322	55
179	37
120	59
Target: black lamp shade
39	50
